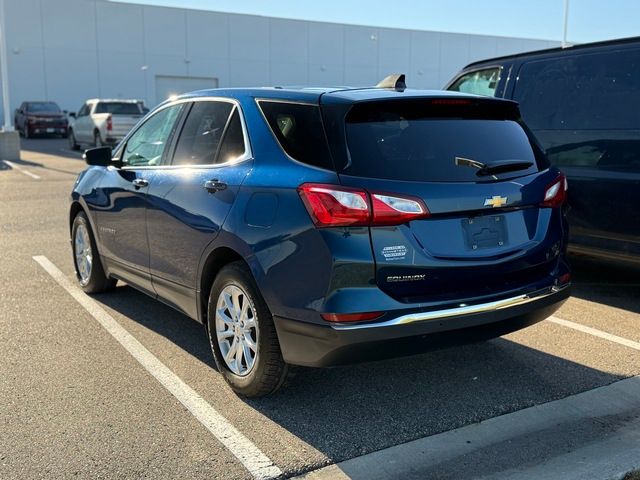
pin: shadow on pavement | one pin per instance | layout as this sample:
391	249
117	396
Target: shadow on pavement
49	146
348	411
28	163
611	283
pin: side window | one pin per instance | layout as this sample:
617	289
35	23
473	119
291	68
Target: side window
202	132
585	109
479	82
299	131
146	146
232	145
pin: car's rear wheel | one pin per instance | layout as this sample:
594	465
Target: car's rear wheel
86	258
73	144
97	139
242	334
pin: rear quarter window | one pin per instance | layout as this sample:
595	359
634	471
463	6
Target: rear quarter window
299	130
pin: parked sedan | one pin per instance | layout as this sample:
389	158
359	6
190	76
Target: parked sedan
40	118
319	227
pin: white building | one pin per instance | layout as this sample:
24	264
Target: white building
70	50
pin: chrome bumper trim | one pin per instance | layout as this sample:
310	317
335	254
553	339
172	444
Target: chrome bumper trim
457	311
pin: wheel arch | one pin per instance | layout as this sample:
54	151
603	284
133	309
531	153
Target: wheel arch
214	262
74	209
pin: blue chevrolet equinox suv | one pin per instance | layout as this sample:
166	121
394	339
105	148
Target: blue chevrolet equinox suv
319	227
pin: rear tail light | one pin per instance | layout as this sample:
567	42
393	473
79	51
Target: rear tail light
109	123
334	205
450	101
393	210
556	192
351	317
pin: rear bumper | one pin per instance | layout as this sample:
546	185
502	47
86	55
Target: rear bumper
412	332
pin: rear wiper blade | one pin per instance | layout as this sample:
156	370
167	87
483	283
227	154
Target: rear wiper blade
493	168
467	162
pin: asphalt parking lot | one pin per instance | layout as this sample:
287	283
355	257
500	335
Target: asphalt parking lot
73	402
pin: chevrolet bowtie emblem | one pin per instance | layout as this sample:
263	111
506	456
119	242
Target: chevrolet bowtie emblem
495	201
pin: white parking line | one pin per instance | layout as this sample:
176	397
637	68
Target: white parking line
256	462
21	170
595	332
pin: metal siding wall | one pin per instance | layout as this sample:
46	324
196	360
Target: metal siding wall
101	48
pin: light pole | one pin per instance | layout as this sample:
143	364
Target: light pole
6	104
566	21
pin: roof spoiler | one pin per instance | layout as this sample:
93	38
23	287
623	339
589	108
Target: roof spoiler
395	81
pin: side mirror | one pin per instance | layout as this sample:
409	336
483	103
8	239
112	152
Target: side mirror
65	111
101	156
72	114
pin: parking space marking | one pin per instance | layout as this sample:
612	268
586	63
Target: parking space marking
595	332
21	170
254	460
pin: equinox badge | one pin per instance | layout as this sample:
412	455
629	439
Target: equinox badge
495	201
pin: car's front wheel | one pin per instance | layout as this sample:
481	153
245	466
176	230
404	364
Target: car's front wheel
86	259
73	144
242	334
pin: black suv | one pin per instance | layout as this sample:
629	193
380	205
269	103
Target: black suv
583	105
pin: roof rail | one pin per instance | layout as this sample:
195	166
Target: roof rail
395	81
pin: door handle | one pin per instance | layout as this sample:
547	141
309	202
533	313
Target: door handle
140	182
213	186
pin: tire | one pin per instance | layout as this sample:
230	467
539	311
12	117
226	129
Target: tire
73	145
268	371
89	271
97	139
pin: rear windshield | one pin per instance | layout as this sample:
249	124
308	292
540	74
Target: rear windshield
43	107
118	108
413	141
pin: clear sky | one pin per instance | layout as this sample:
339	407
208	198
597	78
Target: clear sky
589	20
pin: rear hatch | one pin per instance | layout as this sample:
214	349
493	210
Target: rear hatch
479	175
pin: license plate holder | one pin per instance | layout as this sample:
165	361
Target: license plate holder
51	130
488	231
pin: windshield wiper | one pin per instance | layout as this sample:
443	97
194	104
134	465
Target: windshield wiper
493	168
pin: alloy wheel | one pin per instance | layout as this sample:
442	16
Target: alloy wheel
237	329
83	253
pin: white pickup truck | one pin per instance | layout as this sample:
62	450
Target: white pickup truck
103	122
